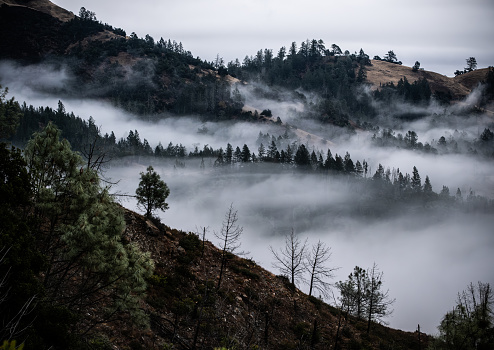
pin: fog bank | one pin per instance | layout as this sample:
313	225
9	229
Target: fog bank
426	258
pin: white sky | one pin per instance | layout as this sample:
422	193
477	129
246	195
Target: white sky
440	34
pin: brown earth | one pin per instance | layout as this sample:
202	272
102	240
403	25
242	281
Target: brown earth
382	72
44	6
253	308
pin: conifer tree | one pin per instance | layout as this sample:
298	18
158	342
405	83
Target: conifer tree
152	192
416	182
245	154
378	302
81	233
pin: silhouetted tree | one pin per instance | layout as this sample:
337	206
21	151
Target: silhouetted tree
416	66
469	325
378	302
319	273
152	192
245	154
10	114
471	64
290	258
229	235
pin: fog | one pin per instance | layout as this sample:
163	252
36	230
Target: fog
426	257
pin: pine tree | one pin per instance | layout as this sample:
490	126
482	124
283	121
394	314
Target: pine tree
416	182
261	152
245	154
81	235
302	156
378	302
229	154
152	192
427	186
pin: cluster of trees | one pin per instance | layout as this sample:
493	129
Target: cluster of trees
294	260
454	143
361	295
163	77
392	185
470	325
389	57
417	92
63	247
332	74
471	66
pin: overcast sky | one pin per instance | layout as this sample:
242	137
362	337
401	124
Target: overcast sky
440	34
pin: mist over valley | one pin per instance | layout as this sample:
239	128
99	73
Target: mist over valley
394	173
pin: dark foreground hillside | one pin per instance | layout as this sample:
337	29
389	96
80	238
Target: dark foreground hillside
253	308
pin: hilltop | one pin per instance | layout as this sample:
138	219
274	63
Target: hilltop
44	6
147	76
382	72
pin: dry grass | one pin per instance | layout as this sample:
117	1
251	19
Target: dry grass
44	6
382	72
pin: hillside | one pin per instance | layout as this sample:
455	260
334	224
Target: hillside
382	72
252	309
148	76
44	6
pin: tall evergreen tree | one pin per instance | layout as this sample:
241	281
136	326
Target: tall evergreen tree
81	233
245	154
152	192
416	181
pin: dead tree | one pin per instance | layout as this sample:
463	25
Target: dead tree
290	258
378	302
230	238
318	271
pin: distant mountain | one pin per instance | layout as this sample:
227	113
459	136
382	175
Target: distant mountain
148	76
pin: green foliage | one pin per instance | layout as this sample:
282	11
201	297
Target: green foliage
470	324
417	92
100	342
10	114
157	280
190	242
152	192
11	345
81	232
20	258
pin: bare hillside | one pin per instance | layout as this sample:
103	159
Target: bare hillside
44	6
382	72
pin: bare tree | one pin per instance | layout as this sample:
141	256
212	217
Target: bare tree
378	302
318	271
230	238
289	260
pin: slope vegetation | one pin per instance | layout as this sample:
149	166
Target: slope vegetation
253	308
